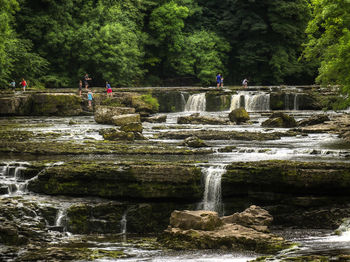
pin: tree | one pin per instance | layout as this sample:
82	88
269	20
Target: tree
329	42
203	55
265	36
7	11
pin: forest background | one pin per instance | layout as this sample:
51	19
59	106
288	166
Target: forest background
175	42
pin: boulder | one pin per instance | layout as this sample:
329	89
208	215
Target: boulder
253	216
200	219
194	141
156	119
104	114
205	230
280	119
313	120
239	115
115	134
122	120
196	119
132	127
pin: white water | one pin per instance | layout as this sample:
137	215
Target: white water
252	102
212	188
61	218
123	223
10	176
196	103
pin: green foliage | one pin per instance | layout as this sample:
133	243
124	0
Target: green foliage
133	42
153	102
329	43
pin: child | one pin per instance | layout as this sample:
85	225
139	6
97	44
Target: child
109	89
90	96
24	84
13	85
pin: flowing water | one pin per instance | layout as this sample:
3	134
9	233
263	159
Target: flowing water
212	188
311	147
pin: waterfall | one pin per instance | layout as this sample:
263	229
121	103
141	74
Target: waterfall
61	218
235	102
251	102
183	101
11	174
123	223
295	106
196	103
212	188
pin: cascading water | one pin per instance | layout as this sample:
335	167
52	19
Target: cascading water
61	218
212	188
183	101
295	107
196	103
251	102
10	176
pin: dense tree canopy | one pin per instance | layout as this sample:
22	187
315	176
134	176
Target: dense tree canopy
150	42
329	42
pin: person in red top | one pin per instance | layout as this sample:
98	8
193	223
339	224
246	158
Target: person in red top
24	84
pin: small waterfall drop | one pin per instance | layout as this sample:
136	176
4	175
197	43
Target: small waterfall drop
235	102
61	218
123	225
10	177
212	188
296	106
196	103
183	101
251	102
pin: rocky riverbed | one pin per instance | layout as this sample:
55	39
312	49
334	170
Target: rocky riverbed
74	181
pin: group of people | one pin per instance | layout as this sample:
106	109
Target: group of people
220	81
23	83
90	95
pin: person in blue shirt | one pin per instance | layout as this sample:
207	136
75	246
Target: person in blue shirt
218	80
90	96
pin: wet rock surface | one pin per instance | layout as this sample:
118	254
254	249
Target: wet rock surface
280	119
239	115
204	230
197	119
110	180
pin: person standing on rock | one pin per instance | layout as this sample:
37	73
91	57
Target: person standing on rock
13	85
221	81
90	97
86	81
245	83
24	84
109	89
80	86
218	80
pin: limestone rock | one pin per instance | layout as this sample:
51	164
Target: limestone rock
121	181
132	127
204	230
194	141
156	119
115	134
313	120
122	120
239	115
104	114
200	219
196	119
252	216
280	119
